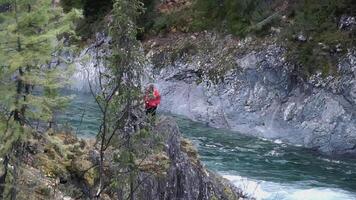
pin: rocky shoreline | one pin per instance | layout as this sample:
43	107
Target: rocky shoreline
249	86
64	167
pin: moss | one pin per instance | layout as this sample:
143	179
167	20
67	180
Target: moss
156	163
190	150
312	57
229	193
50	166
214	197
84	169
59	153
91	176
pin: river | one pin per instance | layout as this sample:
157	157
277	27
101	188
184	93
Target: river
267	170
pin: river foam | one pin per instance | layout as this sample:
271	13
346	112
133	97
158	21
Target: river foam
265	190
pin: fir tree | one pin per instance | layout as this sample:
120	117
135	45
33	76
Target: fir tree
120	101
32	32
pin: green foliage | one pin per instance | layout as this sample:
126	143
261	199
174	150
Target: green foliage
316	19
95	10
154	22
318	22
119	97
30	35
236	16
68	5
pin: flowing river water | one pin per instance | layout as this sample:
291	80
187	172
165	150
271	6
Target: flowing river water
267	170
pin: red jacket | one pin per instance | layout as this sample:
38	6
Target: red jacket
152	100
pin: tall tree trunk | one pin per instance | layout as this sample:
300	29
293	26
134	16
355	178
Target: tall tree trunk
131	174
14	182
18	116
18	148
18	113
3	177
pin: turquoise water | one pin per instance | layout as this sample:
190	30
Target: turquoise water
265	169
271	169
82	116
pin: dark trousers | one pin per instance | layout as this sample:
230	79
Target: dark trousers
151	111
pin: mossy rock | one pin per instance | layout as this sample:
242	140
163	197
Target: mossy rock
157	163
83	168
190	150
90	177
33	185
51	167
58	152
67	138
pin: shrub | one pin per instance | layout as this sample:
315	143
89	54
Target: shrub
317	20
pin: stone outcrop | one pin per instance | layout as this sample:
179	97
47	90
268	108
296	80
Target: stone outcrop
61	166
248	86
185	178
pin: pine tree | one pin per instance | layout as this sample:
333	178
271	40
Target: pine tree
126	62
120	101
32	32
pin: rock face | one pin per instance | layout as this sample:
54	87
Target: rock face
185	178
89	64
251	88
246	86
60	166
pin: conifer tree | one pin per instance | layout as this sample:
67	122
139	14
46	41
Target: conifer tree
119	98
32	33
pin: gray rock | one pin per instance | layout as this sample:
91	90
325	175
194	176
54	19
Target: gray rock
257	92
261	96
347	22
301	37
186	177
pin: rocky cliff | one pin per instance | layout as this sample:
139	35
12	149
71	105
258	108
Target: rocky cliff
249	86
186	178
61	166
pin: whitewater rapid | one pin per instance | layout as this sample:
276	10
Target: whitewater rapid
265	190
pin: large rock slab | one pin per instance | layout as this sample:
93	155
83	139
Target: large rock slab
257	92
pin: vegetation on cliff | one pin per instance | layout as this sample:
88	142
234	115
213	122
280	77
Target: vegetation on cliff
315	22
309	29
31	34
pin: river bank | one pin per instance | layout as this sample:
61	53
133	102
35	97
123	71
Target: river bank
264	168
245	85
251	87
63	166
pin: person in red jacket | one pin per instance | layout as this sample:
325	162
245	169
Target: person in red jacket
152	99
